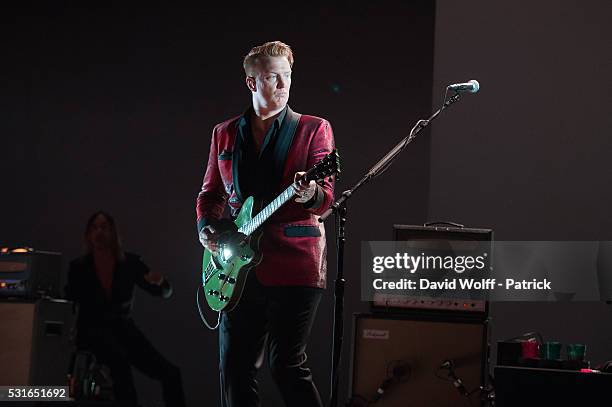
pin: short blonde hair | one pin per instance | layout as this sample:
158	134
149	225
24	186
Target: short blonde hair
269	49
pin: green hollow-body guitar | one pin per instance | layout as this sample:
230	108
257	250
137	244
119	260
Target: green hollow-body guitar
224	272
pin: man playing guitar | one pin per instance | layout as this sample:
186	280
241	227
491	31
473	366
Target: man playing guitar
258	154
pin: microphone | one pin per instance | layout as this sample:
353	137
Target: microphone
447	364
450	365
383	387
470	87
399	371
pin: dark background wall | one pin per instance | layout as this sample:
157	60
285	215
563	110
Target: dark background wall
113	109
529	155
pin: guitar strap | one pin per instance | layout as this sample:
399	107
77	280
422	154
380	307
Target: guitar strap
285	139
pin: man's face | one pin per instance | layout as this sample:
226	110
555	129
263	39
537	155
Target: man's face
271	82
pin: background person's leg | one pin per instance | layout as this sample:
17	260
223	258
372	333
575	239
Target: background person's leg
148	360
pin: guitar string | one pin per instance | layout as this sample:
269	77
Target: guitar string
261	217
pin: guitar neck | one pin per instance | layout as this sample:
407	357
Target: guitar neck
266	212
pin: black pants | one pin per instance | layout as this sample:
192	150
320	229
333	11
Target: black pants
276	318
120	346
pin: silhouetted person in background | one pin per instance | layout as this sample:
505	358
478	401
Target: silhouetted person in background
102	283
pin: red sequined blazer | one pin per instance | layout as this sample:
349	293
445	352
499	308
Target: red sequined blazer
293	243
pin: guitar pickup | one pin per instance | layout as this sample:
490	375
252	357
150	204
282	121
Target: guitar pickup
223	277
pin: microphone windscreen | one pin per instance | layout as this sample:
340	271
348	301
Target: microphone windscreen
476	85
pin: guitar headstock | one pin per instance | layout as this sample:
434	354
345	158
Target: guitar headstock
327	167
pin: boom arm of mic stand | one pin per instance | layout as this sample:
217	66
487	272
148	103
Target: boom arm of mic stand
387	159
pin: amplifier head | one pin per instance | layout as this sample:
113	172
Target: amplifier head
447	238
30	274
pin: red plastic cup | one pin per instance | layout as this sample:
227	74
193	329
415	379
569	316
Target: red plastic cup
530	349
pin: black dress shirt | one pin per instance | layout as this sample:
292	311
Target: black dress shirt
258	174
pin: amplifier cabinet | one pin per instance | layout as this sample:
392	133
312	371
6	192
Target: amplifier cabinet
521	386
417	360
35	342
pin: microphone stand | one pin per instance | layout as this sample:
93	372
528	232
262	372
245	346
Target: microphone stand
340	210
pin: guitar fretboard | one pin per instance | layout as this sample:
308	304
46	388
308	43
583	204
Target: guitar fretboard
266	212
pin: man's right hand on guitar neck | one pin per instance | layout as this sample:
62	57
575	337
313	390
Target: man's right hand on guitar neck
209	238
